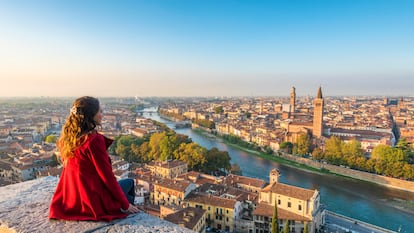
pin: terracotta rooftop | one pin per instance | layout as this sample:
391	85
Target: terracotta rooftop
211	200
267	210
178	185
235	179
187	217
290	191
166	164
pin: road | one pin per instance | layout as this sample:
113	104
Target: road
339	224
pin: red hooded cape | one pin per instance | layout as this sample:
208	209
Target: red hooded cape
88	189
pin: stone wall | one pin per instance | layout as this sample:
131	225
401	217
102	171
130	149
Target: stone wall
382	180
24	207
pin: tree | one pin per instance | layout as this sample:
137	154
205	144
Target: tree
333	150
193	154
403	145
303	144
167	146
286	229
218	109
275	220
55	161
154	146
127	147
248	115
317	153
389	154
216	160
286	147
51	138
352	149
408	171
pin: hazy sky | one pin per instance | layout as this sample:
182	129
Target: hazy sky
206	48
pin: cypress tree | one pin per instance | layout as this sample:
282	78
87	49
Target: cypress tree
286	229
275	220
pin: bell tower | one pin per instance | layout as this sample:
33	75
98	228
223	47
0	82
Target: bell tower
274	176
318	114
292	99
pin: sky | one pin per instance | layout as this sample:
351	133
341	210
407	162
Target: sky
206	48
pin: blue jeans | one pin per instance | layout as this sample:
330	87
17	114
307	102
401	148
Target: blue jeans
127	185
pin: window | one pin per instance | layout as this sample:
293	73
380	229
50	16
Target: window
289	204
300	207
279	202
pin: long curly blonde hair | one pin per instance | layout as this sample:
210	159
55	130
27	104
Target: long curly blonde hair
78	125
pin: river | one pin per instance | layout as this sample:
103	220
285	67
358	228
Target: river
361	200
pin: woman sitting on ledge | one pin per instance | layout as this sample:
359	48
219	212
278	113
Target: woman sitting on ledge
88	189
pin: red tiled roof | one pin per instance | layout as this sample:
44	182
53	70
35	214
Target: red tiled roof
290	191
267	210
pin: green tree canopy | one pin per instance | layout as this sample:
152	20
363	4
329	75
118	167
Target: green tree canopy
218	109
388	154
286	229
51	138
275	220
192	154
216	160
333	150
303	144
286	147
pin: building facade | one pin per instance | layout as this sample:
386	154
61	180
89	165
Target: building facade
318	104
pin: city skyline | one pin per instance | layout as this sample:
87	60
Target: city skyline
206	48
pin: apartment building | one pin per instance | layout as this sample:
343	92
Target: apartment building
221	212
167	169
297	205
170	192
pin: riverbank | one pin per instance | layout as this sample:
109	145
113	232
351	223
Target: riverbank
406	206
277	159
370	202
315	166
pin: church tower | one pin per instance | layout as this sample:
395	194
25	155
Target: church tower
292	99
274	176
261	106
401	103
318	114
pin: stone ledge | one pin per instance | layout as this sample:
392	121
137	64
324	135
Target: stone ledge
24	207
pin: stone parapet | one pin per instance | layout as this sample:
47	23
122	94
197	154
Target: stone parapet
24	207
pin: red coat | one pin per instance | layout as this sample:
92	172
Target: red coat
88	189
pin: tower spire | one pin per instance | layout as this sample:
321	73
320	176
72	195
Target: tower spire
319	95
318	105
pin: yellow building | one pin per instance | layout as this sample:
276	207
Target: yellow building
167	169
170	192
221	212
298	205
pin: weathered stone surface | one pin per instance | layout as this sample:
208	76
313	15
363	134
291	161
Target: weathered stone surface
24	207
